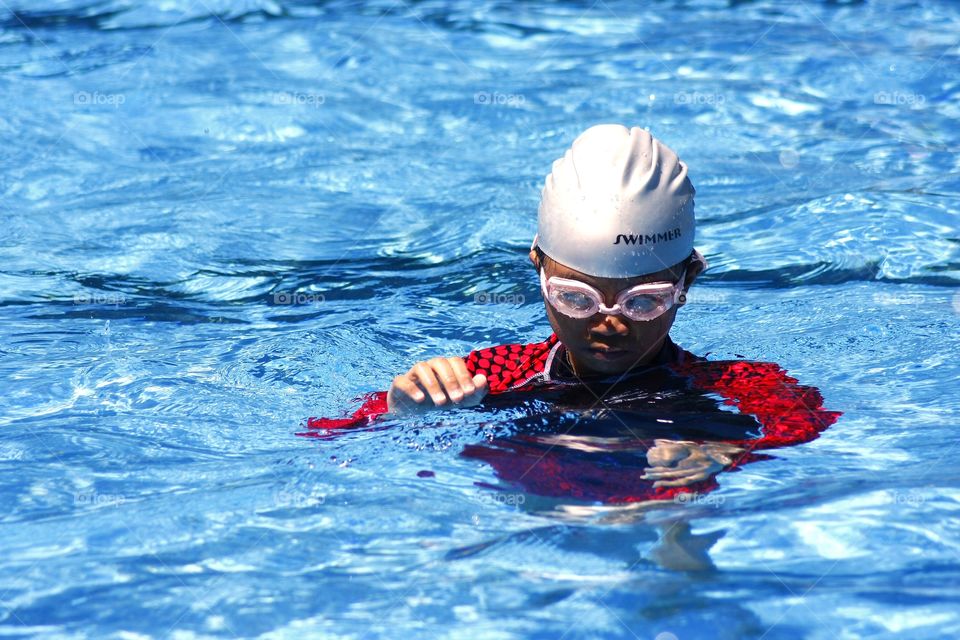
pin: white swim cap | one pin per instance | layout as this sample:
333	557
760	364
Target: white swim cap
618	204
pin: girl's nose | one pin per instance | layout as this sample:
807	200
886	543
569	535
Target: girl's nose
609	325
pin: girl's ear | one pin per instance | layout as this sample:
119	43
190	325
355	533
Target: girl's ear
535	259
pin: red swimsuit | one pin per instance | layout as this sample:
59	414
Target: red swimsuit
788	413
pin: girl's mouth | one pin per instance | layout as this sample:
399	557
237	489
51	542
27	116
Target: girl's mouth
606	353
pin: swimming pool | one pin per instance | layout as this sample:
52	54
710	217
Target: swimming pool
221	218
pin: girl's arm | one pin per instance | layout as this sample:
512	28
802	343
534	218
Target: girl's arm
789	413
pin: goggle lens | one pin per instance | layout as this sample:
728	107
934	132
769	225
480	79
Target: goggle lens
646	304
574	302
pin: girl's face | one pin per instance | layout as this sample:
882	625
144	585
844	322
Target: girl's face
610	344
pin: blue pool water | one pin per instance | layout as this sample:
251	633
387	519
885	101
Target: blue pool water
173	171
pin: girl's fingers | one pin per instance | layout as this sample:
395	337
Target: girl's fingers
425	376
463	376
404	396
480	390
439	379
678	482
448	378
410	388
656	473
662	473
673	483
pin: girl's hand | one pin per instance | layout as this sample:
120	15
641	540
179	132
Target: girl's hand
431	383
676	463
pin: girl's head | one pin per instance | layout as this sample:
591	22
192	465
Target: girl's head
616	212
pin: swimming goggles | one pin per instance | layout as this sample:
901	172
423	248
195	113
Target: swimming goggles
641	302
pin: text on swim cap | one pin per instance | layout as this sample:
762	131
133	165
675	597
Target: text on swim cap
641	238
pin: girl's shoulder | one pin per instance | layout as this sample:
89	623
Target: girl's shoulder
508	365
